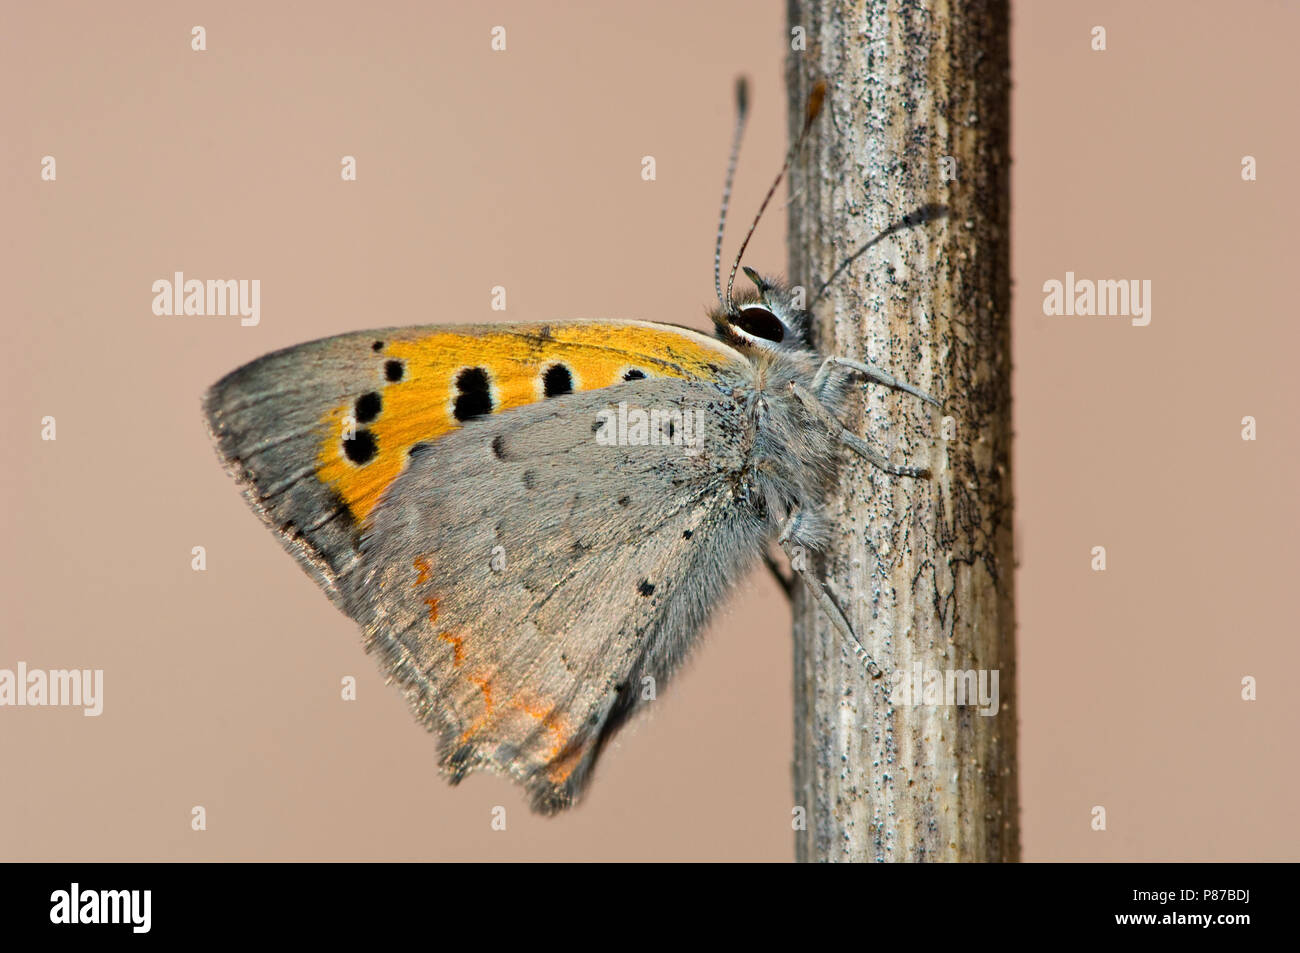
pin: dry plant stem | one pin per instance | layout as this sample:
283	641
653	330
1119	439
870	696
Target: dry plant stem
913	143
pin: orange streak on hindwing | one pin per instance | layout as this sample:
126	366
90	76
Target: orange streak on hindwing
551	720
457	644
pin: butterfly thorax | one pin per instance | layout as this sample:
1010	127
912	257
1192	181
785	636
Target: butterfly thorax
793	459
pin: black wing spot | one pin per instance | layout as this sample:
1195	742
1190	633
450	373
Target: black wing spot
341	508
361	449
624	500
687	534
475	395
646	587
499	447
557	380
529	480
394	370
459	762
377	346
368	407
635	374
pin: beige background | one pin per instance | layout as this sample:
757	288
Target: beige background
523	169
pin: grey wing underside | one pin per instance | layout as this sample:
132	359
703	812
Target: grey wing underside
521	579
267	421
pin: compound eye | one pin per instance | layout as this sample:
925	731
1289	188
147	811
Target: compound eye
760	323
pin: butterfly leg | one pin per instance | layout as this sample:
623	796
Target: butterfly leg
851	440
870	372
785	582
798	556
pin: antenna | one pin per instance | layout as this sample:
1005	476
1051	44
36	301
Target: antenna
815	99
742	113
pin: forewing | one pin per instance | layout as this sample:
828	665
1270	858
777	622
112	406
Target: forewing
315	434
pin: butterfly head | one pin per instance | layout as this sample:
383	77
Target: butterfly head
764	318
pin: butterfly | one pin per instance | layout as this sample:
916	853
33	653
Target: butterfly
533	522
